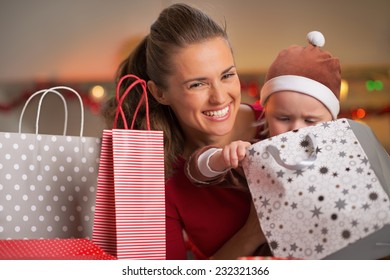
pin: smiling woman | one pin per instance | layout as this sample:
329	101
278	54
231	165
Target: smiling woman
198	92
194	97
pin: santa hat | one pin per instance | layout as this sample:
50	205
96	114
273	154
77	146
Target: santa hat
308	70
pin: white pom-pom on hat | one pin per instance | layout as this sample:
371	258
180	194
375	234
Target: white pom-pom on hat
316	38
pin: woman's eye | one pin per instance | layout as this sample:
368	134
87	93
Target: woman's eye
228	75
195	85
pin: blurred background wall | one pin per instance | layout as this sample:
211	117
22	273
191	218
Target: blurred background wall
80	44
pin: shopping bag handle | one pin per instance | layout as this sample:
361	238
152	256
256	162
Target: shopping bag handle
53	90
32	96
275	153
382	244
120	99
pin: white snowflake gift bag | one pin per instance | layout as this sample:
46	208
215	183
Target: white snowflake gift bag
319	194
47	182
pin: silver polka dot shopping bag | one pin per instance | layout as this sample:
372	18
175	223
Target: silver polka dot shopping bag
130	202
322	192
48	182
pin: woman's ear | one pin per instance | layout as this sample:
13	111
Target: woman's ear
157	93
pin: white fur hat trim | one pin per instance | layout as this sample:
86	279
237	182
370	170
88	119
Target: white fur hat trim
302	85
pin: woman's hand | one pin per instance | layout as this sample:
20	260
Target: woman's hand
245	241
253	226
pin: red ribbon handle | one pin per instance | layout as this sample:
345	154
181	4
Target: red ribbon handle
120	100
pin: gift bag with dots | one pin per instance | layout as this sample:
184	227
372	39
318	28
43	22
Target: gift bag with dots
47	182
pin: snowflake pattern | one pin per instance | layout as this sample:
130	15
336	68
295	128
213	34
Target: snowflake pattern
324	207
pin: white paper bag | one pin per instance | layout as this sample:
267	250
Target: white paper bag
317	192
47	182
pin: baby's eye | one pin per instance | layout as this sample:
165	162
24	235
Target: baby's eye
283	119
310	121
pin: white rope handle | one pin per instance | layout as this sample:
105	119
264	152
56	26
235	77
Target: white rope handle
78	96
382	244
275	153
45	91
54	90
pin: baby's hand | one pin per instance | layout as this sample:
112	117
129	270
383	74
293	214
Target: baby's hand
233	153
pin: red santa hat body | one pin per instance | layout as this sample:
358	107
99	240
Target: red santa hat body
307	70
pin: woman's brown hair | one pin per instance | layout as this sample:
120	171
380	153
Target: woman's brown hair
177	26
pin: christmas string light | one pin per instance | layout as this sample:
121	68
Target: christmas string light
92	99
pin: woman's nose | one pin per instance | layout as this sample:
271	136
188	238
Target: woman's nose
217	93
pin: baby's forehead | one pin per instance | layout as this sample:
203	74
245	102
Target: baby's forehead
282	95
294	100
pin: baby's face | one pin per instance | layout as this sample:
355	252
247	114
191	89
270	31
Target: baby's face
289	110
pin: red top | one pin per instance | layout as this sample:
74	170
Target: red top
210	216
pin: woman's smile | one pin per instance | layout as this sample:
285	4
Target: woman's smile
217	114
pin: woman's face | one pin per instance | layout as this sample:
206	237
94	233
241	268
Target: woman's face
204	90
289	110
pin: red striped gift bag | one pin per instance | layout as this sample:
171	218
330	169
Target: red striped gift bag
130	201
